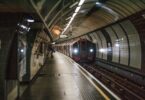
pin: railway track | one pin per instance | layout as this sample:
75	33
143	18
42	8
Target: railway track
124	88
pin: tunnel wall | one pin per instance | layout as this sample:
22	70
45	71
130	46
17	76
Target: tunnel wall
122	41
120	47
38	53
139	22
8	49
122	44
30	61
16	64
37	41
5	38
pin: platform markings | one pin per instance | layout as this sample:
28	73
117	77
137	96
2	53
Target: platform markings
89	79
98	89
100	83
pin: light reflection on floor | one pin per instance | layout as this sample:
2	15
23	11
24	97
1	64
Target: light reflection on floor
62	81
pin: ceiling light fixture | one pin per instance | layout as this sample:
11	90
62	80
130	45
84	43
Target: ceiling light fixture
73	16
30	20
81	2
98	3
78	8
23	26
108	10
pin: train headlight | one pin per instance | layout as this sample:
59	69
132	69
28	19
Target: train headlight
91	50
75	50
22	50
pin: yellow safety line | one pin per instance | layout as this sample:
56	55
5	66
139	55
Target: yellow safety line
98	89
89	79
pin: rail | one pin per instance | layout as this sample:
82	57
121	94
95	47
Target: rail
118	84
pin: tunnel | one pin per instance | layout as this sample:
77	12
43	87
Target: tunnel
72	49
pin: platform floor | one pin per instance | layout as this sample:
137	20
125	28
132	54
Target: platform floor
61	80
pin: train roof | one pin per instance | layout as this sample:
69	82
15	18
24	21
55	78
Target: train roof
73	42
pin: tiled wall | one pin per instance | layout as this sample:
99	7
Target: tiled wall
124	41
138	21
37	58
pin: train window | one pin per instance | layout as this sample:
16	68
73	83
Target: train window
91	50
83	46
76	48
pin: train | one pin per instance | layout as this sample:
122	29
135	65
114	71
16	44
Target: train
81	50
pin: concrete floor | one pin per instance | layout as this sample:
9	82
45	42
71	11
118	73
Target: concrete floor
61	80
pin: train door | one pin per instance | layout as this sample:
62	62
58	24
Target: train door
76	51
91	51
83	50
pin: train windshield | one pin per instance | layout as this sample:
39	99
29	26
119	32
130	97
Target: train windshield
76	48
83	46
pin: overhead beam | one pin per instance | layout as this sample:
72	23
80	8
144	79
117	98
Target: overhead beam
46	27
48	14
55	17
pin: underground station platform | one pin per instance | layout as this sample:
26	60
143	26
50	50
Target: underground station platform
63	79
98	49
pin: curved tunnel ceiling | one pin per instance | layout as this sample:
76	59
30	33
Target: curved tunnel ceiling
110	12
93	14
18	6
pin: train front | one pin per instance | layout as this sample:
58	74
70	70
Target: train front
84	51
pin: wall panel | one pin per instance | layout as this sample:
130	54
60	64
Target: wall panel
109	44
99	45
138	21
123	44
135	47
104	45
97	41
115	47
